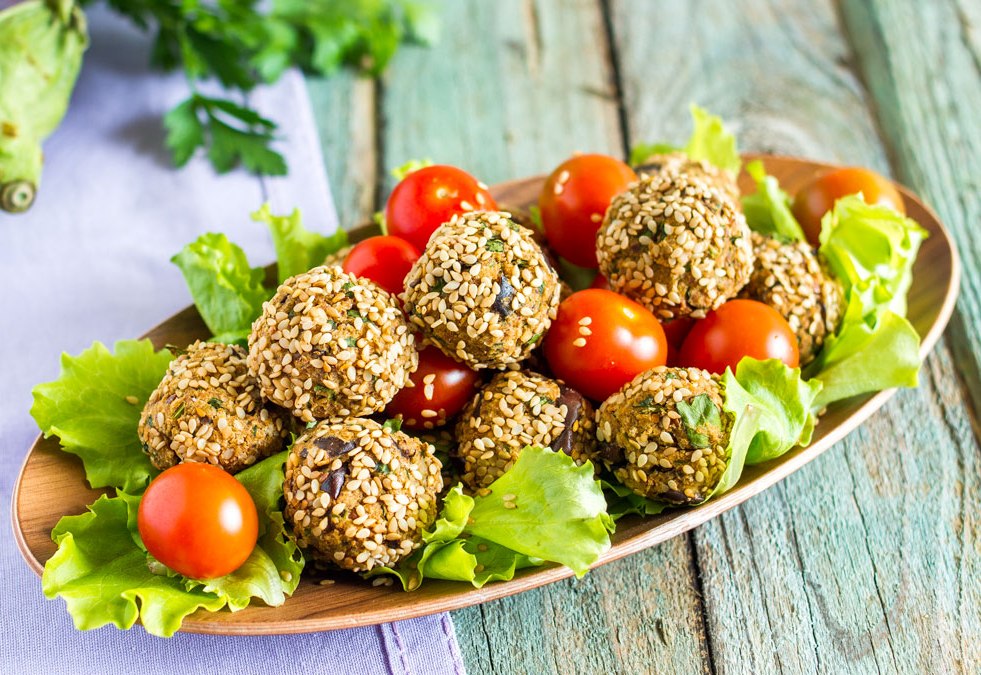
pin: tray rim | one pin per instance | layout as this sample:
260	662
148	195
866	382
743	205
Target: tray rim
686	519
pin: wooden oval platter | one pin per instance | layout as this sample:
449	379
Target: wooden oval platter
51	483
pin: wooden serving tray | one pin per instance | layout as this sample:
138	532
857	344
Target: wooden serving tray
51	483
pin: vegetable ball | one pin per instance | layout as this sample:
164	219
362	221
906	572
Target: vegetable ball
517	409
791	279
708	173
331	345
207	408
359	494
482	290
665	434
675	245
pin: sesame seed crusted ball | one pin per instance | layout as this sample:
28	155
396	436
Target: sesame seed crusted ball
675	245
482	290
358	494
517	409
679	162
331	345
665	434
791	279
208	409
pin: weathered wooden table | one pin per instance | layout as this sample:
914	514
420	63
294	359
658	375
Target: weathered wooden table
867	560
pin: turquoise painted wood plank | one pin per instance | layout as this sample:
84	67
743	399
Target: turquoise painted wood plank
344	109
922	64
853	564
511	90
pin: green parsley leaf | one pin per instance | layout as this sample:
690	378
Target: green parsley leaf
495	245
701	414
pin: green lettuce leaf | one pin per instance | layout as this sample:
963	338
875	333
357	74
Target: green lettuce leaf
103	572
768	209
546	507
740	438
782	399
227	291
711	141
554	511
89	409
297	248
400	172
622	501
103	577
871	249
871	351
640	153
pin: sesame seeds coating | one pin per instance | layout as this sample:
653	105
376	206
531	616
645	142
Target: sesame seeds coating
517	409
680	162
358	494
675	245
791	279
482	291
208	409
331	345
650	445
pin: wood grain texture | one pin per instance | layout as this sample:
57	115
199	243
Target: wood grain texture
513	88
344	109
921	63
851	565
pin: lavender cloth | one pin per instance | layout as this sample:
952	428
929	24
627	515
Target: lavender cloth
90	262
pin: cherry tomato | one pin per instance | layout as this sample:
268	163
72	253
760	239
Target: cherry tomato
600	340
431	196
452	386
819	196
599	281
736	329
676	331
198	520
574	199
384	260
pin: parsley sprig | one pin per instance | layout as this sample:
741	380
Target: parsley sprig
244	43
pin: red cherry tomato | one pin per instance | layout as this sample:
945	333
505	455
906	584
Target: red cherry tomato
198	520
599	281
676	331
442	385
600	340
384	260
819	196
736	329
431	196
573	200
